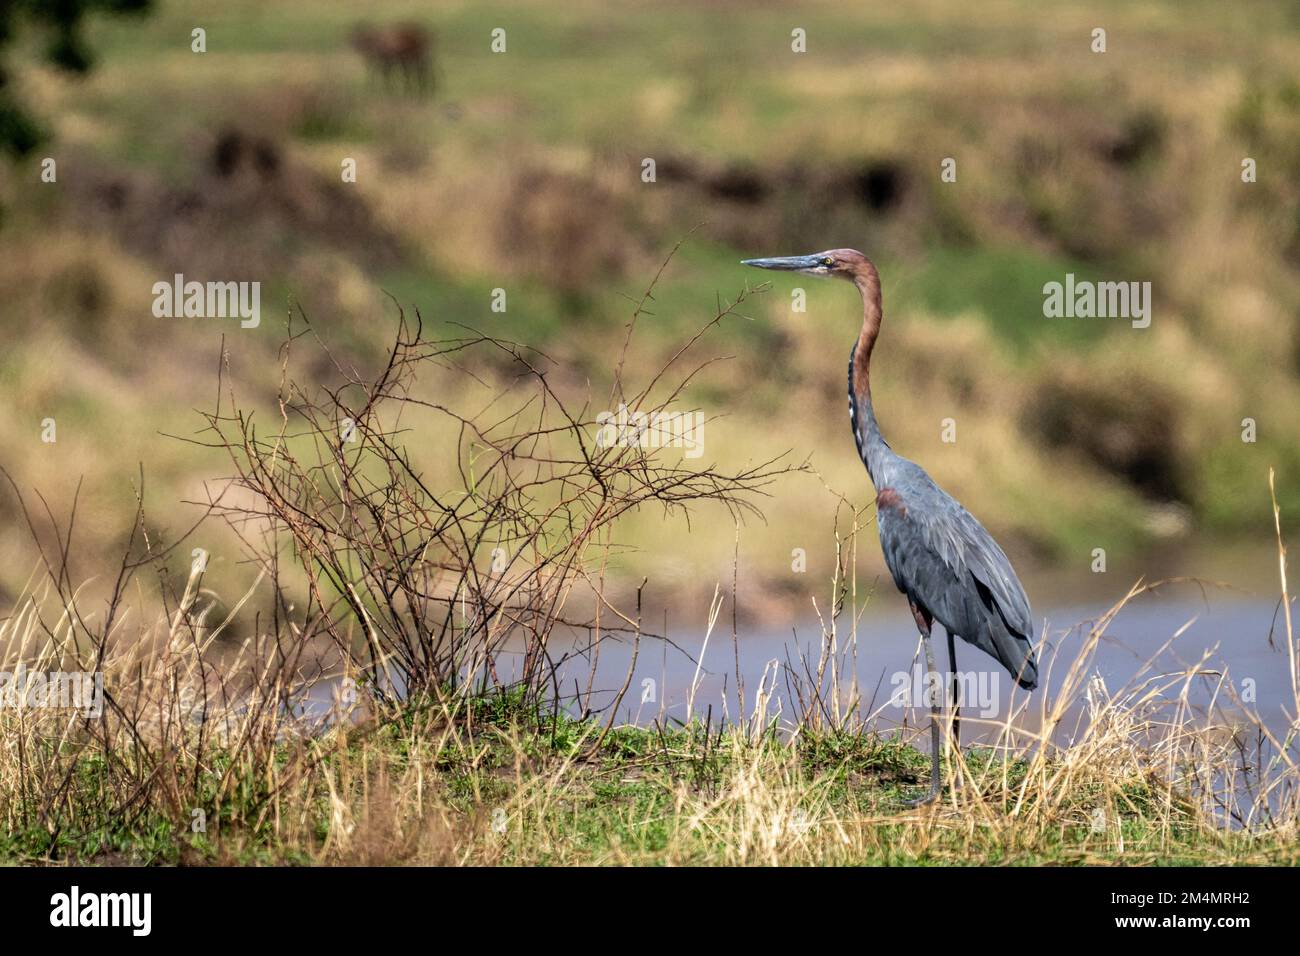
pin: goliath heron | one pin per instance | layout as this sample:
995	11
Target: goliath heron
950	568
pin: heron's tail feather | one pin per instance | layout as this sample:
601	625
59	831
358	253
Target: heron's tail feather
1000	639
1015	652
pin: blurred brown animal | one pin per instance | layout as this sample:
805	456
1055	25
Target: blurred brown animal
400	54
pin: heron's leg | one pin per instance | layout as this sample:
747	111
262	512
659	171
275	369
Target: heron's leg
955	707
923	621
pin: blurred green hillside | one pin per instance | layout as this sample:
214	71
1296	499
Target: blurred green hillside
523	172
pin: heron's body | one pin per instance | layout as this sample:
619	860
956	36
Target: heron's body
940	556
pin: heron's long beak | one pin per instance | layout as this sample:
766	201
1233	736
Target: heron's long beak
784	263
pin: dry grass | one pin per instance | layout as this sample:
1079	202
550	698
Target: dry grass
485	775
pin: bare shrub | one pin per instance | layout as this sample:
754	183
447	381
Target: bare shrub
421	586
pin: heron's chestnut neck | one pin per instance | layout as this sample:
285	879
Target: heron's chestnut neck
872	447
867	280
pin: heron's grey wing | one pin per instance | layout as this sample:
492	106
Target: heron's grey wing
962	540
943	558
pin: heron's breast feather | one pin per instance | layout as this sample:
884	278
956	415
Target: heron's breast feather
888	498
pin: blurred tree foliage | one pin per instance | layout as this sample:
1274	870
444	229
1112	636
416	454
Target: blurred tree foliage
61	21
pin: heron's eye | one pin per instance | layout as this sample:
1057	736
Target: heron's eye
828	261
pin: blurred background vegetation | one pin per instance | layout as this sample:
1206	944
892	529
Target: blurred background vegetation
522	171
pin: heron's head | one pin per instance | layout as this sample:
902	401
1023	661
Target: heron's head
838	263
